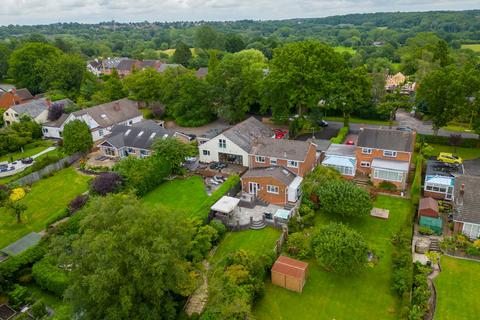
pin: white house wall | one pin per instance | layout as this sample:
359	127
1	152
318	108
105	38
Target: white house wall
213	146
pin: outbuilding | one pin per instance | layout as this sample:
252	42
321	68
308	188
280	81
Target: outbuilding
428	207
289	273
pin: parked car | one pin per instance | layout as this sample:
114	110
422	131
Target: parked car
280	134
27	160
350	142
408	129
449	158
214	166
222	165
219	179
322	123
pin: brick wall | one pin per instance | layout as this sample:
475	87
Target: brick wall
278	199
435	195
377	154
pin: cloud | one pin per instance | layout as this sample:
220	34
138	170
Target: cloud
51	11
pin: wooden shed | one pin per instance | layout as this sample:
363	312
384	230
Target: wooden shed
289	273
428	207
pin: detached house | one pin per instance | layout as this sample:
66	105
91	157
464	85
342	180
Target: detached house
12	97
466	216
37	110
100	119
385	155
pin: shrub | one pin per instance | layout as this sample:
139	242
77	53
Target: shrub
106	182
38	309
77	203
4	193
425	230
387	185
77	137
465	143
9	268
472	251
44	161
17	194
298	245
342	134
19	296
421	292
50	277
343	198
219	226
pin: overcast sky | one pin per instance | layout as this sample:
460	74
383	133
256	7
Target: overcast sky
90	11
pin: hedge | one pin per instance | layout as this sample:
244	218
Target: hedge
9	267
342	134
50	277
464	143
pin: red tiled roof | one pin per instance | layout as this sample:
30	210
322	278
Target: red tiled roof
428	203
290	267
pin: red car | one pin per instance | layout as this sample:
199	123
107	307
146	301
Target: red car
350	142
280	134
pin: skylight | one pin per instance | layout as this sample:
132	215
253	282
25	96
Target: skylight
140	134
152	135
128	131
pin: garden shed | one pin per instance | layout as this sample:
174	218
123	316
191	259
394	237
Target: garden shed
428	207
289	273
433	223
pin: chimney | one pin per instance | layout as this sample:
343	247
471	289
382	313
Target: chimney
285	154
116	106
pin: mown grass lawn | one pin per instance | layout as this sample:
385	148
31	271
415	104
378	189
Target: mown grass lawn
360	295
254	241
358	120
182	196
474	47
29	150
458	290
342	49
46	199
464	153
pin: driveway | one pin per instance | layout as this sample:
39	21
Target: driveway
472	167
326	133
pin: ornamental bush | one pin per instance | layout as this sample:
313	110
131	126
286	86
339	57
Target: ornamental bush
106	182
77	203
298	245
49	277
344	198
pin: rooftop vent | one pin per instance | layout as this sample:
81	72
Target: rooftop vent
103	116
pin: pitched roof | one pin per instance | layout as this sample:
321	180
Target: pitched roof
291	267
386	139
439	168
467	207
32	108
164	66
282	148
24	94
138	136
278	173
111	113
245	133
57	123
428	203
343	150
125	65
322	144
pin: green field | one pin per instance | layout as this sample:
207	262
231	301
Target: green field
342	49
46	199
464	153
363	295
29	150
253	241
182	196
474	47
358	120
458	290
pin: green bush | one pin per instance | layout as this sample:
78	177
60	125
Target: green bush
342	134
12	265
472	251
219	226
19	296
38	309
298	245
421	292
49	277
465	143
387	185
425	230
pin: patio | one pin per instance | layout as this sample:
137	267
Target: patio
98	159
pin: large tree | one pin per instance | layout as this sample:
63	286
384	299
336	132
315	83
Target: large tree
182	54
173	151
77	137
113	89
30	66
207	38
129	262
301	74
236	82
67	73
339	248
144	85
4	56
344	198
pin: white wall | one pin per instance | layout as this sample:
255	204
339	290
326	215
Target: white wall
214	149
53	132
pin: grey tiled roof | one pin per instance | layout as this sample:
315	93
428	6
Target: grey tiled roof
141	136
468	208
278	173
438	168
281	148
111	113
32	108
322	144
247	132
164	66
24	94
386	139
345	150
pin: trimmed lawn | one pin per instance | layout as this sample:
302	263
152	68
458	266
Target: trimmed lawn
62	309
254	241
29	150
457	289
474	47
342	49
363	295
182	196
458	127
464	153
46	199
358	120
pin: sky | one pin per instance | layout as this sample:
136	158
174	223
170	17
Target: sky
31	12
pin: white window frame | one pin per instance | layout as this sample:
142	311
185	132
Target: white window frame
390	153
222	143
292	164
206	152
346	171
471	230
365	164
260	159
377	175
435	187
273	189
367	150
100	132
273	161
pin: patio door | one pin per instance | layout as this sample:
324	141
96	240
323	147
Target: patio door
253	188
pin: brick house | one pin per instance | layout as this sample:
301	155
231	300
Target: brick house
13	97
466	217
385	155
299	157
341	157
275	185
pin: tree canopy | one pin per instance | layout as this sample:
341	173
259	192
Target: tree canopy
77	137
344	198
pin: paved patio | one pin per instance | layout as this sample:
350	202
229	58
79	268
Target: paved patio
93	160
243	214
